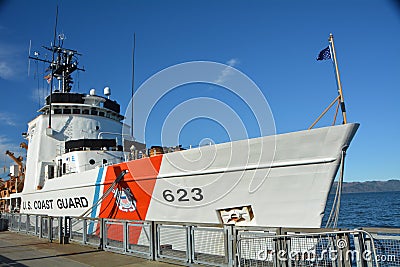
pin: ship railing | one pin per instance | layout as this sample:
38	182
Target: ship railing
189	243
128	237
386	243
39	225
183	243
219	245
83	230
318	247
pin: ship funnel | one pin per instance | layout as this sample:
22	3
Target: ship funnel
92	91
107	91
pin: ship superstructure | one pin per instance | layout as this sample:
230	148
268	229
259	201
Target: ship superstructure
85	134
74	132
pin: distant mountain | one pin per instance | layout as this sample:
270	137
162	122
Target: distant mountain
369	186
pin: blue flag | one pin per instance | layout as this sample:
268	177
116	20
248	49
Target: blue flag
324	54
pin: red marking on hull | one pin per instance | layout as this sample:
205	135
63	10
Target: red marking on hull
139	182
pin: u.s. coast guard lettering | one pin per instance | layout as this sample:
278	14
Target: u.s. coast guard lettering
60	203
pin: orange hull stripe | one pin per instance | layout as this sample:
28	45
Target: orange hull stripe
117	205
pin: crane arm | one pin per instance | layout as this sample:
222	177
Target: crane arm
17	160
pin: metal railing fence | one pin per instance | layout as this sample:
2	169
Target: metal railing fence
42	226
140	239
84	230
318	247
386	243
218	245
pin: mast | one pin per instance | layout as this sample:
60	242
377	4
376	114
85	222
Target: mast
133	79
52	60
339	84
63	63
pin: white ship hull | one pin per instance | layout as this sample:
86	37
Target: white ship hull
281	180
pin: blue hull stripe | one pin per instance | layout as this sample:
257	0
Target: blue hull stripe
96	198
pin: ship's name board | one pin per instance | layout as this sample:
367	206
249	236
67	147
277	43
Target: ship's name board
60	203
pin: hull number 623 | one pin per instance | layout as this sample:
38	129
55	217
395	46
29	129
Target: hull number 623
183	195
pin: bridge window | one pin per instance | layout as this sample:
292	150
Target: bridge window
76	111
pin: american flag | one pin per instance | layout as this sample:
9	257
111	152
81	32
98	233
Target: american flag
48	78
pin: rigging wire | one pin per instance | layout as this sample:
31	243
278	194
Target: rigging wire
109	190
334	213
36	76
44	88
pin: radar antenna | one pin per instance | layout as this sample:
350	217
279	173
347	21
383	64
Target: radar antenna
63	63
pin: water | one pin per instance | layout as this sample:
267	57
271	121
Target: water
368	210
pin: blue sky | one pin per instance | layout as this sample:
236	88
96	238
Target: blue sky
274	43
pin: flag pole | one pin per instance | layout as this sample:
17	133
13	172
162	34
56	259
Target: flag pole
339	84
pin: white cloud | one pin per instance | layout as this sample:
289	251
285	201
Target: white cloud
227	71
232	62
5	144
6	71
7	119
11	62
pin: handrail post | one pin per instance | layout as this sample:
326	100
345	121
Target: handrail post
104	234
27	223
343	259
368	245
41	226
153	240
67	229
230	239
101	245
19	222
283	245
190	251
125	235
60	230
84	234
359	246
50	228
36	224
157	240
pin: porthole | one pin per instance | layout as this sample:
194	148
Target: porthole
92	162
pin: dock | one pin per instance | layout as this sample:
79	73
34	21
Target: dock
21	250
